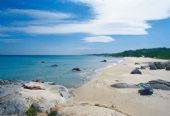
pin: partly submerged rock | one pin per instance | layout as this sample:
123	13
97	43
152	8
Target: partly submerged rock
43	62
124	85
103	61
136	71
76	69
54	65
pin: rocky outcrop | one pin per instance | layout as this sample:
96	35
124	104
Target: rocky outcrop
15	99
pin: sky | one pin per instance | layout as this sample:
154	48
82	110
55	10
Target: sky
68	27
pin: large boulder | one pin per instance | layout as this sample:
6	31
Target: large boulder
159	65
167	68
152	66
160	84
136	71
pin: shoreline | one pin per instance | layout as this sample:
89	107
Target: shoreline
96	97
99	90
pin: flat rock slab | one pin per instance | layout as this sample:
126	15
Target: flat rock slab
124	85
160	84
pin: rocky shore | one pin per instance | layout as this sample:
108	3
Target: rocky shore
133	87
16	99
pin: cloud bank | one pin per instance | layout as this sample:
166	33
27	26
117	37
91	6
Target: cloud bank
112	17
98	39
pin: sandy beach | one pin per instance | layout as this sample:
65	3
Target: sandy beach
126	101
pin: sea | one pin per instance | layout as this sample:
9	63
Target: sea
32	67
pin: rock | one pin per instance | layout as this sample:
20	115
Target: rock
15	101
145	92
160	84
76	69
136	71
103	61
54	65
152	67
124	85
32	87
42	61
64	92
167	68
143	67
159	65
36	107
136	63
6	82
38	80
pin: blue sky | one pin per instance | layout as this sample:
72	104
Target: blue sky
82	26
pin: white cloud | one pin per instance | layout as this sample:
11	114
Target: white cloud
111	17
40	14
101	39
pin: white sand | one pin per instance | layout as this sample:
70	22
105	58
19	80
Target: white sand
128	101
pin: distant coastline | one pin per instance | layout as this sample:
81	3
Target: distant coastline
159	53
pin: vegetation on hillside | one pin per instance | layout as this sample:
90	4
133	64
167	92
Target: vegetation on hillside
161	53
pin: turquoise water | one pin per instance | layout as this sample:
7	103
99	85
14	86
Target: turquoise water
30	68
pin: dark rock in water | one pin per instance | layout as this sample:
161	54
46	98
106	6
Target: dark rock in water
36	107
76	69
145	91
124	85
103	61
136	71
167	68
160	84
42	61
152	67
54	65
